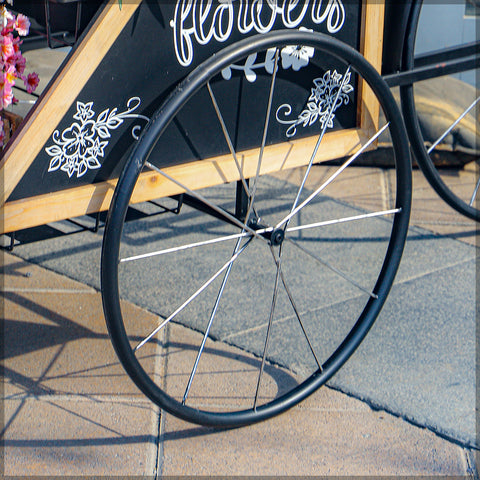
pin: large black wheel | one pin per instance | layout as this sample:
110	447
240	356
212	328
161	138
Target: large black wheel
441	116
262	287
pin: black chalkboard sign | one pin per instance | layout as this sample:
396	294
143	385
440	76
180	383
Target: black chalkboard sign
159	45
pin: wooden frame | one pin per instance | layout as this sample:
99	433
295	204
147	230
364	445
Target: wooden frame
63	91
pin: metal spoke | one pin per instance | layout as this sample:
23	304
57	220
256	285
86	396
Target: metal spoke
187	246
192	297
228	139
264	137
267	338
332	268
453	125
295	309
251	195
210	322
200	197
278	263
332	178
344	220
319	141
184	247
475	193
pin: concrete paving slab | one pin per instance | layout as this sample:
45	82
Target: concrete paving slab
19	276
68	406
372	188
422	370
248	295
69	433
426	263
55	338
473	462
226	377
57	437
364	187
68	254
327	435
432	214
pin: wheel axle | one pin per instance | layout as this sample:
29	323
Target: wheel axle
275	237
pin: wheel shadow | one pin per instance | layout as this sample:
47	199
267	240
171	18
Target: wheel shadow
22	338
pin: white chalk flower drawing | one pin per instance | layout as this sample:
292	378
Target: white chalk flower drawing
79	147
327	95
292	56
296	56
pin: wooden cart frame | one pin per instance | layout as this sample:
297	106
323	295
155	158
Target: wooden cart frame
86	199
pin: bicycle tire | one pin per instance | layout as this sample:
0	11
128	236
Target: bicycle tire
464	203
384	240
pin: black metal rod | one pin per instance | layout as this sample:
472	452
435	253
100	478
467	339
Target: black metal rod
447	54
52	36
198	205
12	242
241	200
176	210
97	222
425	73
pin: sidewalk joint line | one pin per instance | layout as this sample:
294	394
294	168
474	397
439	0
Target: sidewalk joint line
431	272
45	290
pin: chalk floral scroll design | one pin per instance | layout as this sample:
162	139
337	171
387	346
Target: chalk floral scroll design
327	95
291	56
79	147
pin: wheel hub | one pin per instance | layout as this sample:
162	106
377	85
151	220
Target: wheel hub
275	237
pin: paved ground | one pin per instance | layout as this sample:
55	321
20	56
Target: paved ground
71	410
403	405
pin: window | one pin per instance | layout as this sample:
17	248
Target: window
472	8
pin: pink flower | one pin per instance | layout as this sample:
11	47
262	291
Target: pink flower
10	25
20	63
12	62
5	16
16	44
6	46
22	25
31	82
6	97
9	62
10	76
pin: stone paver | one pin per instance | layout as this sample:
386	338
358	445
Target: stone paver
63	421
51	436
328	434
55	330
69	407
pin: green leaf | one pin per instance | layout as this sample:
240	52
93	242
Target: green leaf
120	4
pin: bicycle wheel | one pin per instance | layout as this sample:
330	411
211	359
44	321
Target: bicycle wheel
262	286
441	116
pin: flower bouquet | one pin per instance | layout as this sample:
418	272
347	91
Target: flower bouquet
12	64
